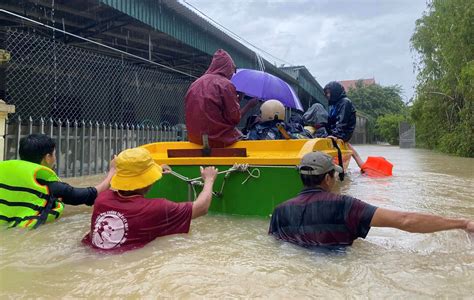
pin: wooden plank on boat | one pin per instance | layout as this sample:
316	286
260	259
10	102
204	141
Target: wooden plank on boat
214	152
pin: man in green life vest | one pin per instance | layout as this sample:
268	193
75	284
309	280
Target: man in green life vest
30	191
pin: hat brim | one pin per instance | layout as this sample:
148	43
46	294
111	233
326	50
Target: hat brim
338	169
131	183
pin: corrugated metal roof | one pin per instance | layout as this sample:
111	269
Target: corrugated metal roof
180	22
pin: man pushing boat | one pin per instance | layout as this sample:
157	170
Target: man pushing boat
317	217
124	219
31	193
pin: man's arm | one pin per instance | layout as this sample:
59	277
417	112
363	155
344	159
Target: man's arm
71	195
202	202
417	222
105	184
250	104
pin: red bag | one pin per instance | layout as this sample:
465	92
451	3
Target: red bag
377	167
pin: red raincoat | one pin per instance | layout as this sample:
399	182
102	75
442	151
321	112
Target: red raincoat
211	104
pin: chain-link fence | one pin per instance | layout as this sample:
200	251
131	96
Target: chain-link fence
93	105
51	79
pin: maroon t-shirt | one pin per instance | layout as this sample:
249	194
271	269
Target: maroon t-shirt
124	223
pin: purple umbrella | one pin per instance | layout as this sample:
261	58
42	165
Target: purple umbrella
265	86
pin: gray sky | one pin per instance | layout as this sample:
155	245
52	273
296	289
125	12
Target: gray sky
335	40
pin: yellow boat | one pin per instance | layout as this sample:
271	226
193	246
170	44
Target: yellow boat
254	176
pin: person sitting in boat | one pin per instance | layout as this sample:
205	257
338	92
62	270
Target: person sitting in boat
124	219
342	114
30	190
212	106
317	217
316	120
272	125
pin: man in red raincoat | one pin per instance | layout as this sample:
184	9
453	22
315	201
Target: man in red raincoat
212	105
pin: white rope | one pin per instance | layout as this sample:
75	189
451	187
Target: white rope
251	175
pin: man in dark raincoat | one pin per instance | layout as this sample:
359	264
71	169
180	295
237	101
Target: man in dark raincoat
342	114
211	104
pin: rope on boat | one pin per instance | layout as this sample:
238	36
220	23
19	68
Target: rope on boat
193	182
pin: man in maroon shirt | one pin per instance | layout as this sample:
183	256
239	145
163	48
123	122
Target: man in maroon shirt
123	219
212	106
317	217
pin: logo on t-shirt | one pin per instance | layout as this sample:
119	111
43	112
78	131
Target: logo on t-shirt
110	230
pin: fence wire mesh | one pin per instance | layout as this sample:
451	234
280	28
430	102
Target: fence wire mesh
50	79
93	105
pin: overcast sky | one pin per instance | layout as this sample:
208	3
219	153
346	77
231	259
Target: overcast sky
335	40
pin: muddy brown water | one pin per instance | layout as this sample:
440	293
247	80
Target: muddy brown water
228	256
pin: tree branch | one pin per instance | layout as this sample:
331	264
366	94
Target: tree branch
442	94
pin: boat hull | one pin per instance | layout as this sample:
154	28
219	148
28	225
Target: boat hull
253	190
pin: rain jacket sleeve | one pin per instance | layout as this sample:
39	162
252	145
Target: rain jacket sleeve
345	116
231	105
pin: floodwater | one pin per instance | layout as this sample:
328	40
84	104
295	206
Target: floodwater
228	257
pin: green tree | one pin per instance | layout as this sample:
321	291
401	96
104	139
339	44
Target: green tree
387	127
443	43
375	102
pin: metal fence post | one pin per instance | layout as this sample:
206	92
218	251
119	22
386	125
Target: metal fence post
51	128
104	159
97	134
76	137
18	137
83	146
127	127
30	125
41	125
66	158
5	109
58	148
89	157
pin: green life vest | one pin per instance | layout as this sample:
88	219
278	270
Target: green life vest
23	201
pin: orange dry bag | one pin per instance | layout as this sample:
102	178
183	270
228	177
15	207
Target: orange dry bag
377	167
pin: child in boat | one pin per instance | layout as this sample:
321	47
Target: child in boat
272	125
316	120
124	219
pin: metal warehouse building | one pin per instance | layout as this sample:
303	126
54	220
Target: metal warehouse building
102	75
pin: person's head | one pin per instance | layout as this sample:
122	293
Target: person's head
136	171
272	110
38	149
223	64
318	169
334	91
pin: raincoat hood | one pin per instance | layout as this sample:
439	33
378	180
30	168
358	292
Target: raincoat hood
221	64
337	91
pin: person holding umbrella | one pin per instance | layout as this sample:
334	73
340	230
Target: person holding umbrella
212	105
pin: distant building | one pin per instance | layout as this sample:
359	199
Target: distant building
348	84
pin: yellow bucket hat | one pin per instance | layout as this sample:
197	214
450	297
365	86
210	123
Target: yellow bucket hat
135	169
